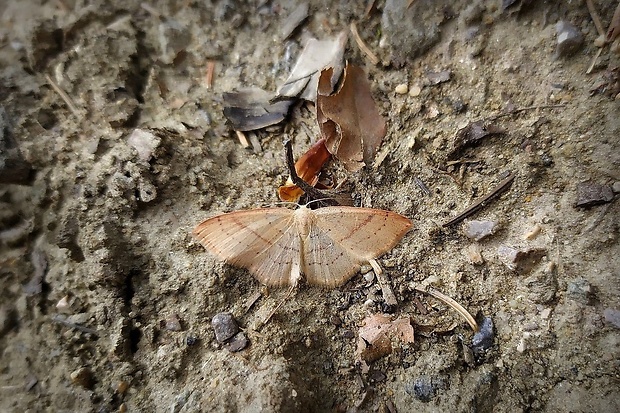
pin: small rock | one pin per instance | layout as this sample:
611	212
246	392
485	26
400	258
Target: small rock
616	187
521	346
173	323
191	340
63	304
415	90
84	377
570	39
439	77
335	320
477	230
612	316
401	89
237	343
580	290
483	339
369	277
225	326
424	388
522	261
144	142
474	255
590	194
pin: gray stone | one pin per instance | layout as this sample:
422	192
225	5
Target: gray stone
477	230
225	326
570	39
590	193
580	290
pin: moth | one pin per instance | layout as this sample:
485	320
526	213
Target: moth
279	245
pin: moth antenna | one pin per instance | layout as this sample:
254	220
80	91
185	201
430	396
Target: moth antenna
319	200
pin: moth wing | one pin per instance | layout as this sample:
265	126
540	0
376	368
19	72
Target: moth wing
264	241
327	263
342	238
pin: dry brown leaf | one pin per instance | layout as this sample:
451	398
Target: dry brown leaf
316	55
349	119
375	336
252	108
308	167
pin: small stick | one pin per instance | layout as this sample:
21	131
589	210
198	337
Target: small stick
481	202
450	302
209	74
360	43
384	283
242	139
421	185
594	59
595	18
62	94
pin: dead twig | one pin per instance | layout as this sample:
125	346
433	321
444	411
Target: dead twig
242	139
384	283
63	95
481	202
595	18
450	302
360	43
209	74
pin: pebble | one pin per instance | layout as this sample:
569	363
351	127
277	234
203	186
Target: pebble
483	339
522	261
63	304
424	388
612	316
191	340
369	276
144	142
474	255
478	230
84	377
415	90
237	343
570	39
401	89
580	290
616	187
225	326
590	193
173	323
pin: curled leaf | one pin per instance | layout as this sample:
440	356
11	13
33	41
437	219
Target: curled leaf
349	119
308	167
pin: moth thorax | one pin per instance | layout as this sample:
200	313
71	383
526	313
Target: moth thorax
303	220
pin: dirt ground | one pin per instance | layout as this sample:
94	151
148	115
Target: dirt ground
107	300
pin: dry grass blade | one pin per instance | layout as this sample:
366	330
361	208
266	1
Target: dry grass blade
363	47
452	303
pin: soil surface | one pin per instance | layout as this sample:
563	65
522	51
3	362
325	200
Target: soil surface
107	300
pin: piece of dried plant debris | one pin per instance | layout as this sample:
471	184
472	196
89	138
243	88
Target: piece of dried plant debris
376	334
252	108
308	167
316	55
349	119
474	132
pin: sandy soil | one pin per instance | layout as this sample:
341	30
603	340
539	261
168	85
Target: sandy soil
106	300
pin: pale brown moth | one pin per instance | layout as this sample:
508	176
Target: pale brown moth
327	245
